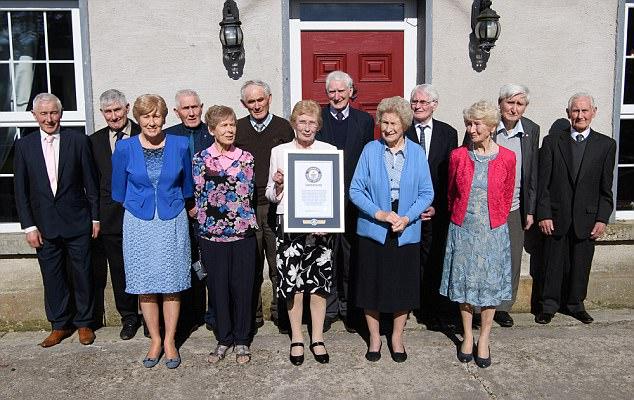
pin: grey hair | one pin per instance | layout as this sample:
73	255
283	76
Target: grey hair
580	95
426	88
512	89
398	106
46	97
339	76
186	93
112	96
255	82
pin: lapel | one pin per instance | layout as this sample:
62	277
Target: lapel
139	157
64	154
437	139
525	146
167	155
566	152
585	160
38	160
411	133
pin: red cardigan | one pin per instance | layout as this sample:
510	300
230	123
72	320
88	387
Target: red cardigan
500	185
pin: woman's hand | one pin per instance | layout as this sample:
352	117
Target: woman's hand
192	212
386	216
400	224
278	178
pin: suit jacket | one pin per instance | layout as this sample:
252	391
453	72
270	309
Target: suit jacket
76	203
444	139
585	200
131	184
201	136
529	143
111	212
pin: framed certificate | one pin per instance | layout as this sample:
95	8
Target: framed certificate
313	186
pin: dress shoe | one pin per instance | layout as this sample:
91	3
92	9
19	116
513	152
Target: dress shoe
582	316
328	323
373	356
543	318
150	362
503	319
483	362
464	357
399	357
86	335
55	337
173	363
209	326
128	331
296	360
320	358
283	330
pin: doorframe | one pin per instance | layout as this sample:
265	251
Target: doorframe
410	51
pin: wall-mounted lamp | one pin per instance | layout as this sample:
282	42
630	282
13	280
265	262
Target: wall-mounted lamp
231	39
485	31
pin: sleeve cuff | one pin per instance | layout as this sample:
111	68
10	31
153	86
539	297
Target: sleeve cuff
30	229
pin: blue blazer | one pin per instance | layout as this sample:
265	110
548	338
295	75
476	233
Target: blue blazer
131	184
370	191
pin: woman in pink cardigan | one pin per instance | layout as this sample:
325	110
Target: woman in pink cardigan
477	267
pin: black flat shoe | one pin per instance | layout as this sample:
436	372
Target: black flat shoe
582	316
503	319
296	360
483	362
373	356
320	358
544	318
399	357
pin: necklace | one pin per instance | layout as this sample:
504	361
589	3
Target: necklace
475	154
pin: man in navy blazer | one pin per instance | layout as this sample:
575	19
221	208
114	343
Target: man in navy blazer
349	130
574	204
114	107
57	200
438	140
189	109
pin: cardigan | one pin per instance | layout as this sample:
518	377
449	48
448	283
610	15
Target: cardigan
131	184
370	192
500	185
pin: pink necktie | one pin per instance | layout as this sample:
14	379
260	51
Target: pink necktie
49	157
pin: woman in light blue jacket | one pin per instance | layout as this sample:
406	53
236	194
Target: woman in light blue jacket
391	187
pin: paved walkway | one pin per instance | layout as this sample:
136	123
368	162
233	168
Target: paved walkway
564	360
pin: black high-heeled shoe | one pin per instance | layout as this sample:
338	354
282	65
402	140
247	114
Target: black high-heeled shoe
399	357
320	358
464	357
296	360
482	362
373	356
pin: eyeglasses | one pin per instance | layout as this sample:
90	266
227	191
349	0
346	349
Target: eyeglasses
423	103
310	124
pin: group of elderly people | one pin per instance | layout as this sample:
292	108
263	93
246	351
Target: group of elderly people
161	181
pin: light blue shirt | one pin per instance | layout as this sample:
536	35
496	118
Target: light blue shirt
394	165
512	141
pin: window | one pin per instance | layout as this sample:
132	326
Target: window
40	51
625	170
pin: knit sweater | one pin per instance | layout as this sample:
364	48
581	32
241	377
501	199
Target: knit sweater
259	144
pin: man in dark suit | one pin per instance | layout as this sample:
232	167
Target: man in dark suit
189	109
349	130
574	204
114	108
57	199
438	139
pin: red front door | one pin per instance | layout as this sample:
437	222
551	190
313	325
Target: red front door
374	60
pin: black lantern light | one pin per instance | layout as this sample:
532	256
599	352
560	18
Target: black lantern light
231	39
487	28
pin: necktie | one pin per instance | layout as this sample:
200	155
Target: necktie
120	135
339	116
51	167
259	127
579	138
421	129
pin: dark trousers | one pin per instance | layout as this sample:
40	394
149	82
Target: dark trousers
516	236
193	311
230	276
67	275
340	298
110	247
265	237
567	262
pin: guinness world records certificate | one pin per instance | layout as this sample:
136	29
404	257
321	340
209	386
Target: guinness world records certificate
313	186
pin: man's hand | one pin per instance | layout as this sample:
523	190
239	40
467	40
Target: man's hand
34	239
547	227
428	213
96	227
529	222
598	230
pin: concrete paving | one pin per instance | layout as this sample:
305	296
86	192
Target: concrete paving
563	360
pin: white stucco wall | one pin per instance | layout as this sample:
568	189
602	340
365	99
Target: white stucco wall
162	46
556	48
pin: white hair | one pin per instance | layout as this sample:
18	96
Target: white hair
427	89
581	95
254	82
339	76
512	89
186	93
45	98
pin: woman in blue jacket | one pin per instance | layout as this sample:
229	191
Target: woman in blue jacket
391	187
151	176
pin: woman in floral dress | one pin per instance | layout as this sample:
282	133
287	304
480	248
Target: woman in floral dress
224	184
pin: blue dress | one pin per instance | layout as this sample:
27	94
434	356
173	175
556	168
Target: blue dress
156	253
477	267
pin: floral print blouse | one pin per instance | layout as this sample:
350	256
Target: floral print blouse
223	191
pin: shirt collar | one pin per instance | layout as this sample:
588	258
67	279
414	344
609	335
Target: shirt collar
232	153
402	151
264	122
517	131
574	133
429	123
345	111
126	130
44	135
